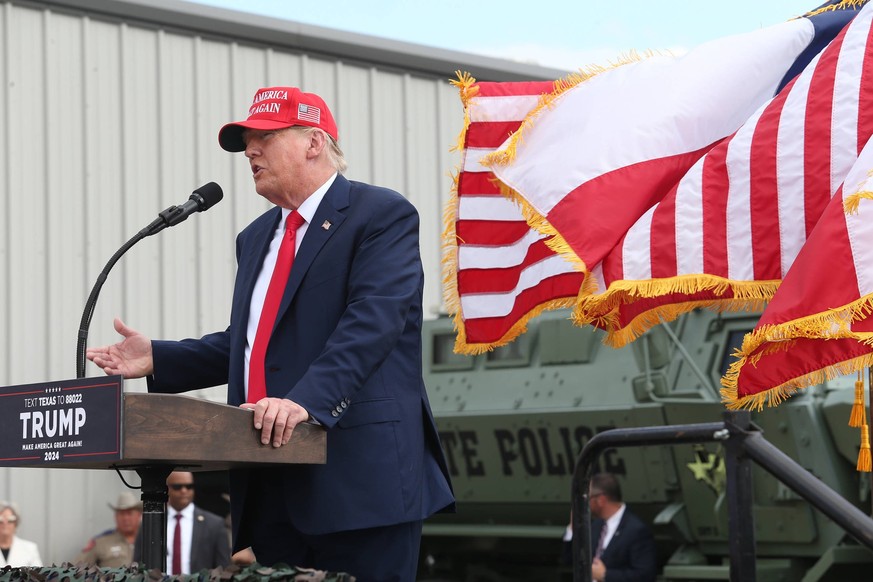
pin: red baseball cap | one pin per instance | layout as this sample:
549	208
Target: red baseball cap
278	108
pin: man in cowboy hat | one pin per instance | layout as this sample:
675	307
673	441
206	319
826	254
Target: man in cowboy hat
114	547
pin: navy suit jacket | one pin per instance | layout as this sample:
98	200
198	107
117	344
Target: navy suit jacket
347	347
630	555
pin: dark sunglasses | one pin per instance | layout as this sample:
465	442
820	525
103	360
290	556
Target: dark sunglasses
180	486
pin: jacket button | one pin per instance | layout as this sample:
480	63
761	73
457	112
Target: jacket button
343	404
334	413
339	409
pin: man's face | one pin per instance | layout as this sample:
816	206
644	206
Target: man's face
127	521
180	488
595	503
278	160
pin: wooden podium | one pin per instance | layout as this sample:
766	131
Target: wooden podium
165	432
160	433
199	435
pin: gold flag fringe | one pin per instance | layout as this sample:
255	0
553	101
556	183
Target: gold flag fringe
864	462
466	84
603	310
776	395
450	255
856	418
518	328
468	89
831	324
851	203
838	6
864	450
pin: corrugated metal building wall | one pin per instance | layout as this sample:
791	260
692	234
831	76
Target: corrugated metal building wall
109	112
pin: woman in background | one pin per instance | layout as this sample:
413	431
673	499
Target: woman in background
15	551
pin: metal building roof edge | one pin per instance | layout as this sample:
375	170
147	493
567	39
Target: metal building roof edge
307	38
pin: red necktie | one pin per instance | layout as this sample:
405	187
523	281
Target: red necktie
257	377
177	546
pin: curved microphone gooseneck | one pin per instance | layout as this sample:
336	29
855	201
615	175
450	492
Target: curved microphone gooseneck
202	199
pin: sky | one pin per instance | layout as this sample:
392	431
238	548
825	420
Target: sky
560	34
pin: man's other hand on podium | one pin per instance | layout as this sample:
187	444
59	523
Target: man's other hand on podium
276	419
131	357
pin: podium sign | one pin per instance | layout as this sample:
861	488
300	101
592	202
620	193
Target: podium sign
67	421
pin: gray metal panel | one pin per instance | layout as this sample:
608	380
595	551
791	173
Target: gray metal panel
6	185
109	112
26	100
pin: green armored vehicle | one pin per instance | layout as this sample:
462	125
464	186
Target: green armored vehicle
514	420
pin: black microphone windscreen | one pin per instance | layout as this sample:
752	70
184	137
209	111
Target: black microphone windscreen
211	194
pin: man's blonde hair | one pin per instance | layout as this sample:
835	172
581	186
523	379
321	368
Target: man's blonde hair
334	152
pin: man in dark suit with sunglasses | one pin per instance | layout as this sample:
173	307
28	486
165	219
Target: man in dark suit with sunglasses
196	539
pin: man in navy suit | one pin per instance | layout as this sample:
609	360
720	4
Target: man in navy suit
339	345
624	549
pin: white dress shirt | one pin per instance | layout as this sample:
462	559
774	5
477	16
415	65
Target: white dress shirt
187	525
307	211
612	524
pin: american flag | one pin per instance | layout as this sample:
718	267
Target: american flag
727	233
583	175
819	323
498	272
309	113
607	149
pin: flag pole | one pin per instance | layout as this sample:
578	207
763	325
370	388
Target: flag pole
870	415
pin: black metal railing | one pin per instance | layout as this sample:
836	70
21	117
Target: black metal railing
744	443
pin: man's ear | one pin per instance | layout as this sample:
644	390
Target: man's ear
317	143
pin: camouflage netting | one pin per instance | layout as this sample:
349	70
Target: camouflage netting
254	573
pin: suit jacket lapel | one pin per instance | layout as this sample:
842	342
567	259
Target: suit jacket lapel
196	533
614	541
325	223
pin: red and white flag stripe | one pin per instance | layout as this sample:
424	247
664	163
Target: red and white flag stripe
727	233
819	323
498	271
609	148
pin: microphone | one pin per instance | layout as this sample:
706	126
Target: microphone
203	198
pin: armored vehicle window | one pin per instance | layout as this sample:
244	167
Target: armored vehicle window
443	356
515	353
563	343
